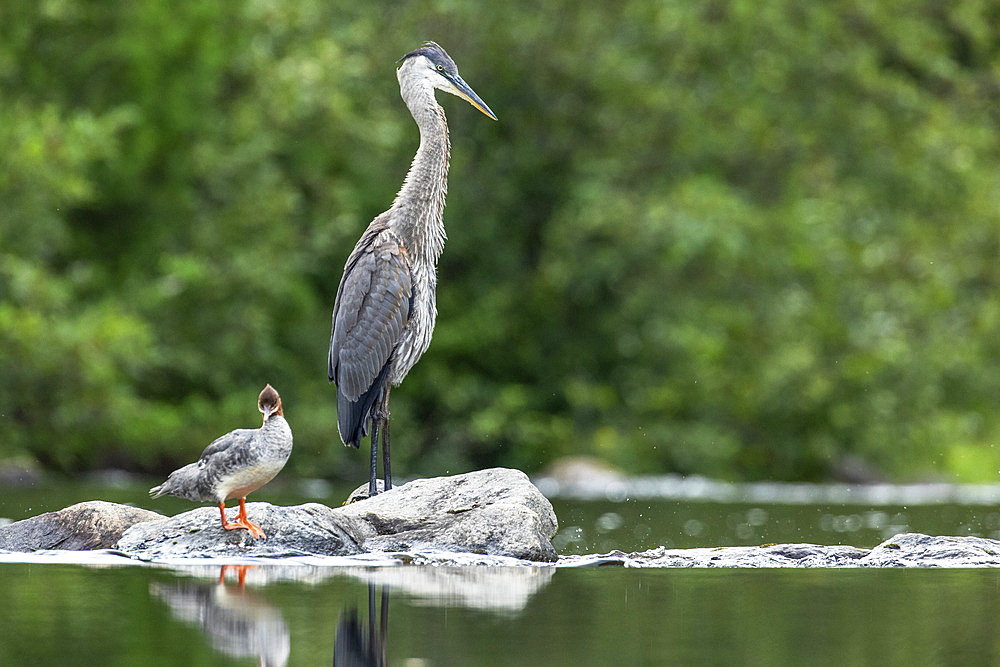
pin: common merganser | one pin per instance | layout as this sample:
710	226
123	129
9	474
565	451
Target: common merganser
236	464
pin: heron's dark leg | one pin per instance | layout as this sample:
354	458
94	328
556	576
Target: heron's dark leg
372	486
385	454
385	440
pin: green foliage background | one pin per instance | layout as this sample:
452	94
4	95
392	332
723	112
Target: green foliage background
732	238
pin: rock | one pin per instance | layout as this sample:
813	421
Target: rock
772	555
906	550
917	550
361	493
291	531
91	525
497	512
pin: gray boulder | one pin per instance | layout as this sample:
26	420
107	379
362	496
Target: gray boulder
496	512
291	531
91	525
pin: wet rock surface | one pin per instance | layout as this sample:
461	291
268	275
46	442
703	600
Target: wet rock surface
495	512
91	525
904	550
291	531
917	550
498	512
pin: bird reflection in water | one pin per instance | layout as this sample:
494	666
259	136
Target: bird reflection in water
356	648
236	622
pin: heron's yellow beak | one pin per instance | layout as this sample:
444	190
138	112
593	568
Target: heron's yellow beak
465	91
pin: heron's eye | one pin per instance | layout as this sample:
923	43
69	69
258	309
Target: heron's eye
440	68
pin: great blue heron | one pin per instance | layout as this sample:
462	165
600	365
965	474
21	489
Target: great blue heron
384	314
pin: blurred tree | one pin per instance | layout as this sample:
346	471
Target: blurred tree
723	238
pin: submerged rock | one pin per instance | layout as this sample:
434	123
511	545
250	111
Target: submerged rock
496	512
91	525
917	550
905	550
772	555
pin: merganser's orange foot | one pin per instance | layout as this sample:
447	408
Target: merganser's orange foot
245	522
255	530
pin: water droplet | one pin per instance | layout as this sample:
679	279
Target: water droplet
693	527
609	521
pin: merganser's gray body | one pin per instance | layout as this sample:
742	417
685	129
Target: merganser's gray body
238	463
234	465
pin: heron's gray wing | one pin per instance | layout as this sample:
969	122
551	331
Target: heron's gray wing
372	308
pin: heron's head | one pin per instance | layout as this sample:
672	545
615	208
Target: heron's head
269	403
431	65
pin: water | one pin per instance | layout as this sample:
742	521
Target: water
57	614
418	615
600	526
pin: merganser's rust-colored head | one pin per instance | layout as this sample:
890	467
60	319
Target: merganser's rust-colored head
269	403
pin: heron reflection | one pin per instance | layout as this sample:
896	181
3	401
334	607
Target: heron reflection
354	647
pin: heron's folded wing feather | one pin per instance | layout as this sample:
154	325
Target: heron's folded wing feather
373	305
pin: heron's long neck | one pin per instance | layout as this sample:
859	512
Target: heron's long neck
419	206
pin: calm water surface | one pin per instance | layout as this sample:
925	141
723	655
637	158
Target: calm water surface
414	615
55	614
